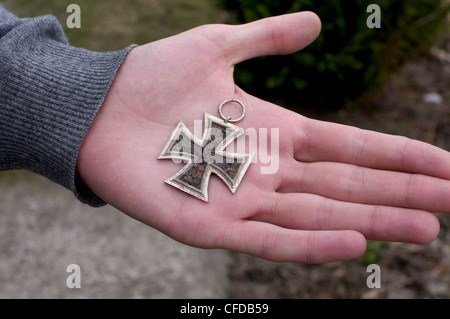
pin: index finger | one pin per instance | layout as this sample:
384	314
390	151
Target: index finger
324	141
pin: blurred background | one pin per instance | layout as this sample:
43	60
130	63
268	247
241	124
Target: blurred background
394	79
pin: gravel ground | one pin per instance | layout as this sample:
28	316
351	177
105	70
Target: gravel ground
415	103
44	229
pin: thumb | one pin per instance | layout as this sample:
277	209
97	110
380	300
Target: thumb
283	34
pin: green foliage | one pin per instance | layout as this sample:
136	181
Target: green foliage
373	252
348	59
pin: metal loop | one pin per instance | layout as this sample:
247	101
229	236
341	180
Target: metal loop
228	118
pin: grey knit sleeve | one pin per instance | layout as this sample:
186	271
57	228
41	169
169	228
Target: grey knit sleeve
50	93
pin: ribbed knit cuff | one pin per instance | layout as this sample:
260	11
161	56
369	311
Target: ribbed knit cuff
50	93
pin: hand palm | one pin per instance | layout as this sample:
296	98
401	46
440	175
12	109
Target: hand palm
334	183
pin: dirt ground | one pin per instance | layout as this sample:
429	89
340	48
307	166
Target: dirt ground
415	103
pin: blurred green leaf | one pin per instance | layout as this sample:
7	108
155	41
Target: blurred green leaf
348	59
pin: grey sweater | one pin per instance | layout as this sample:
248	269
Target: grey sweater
50	93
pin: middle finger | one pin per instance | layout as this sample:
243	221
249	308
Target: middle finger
350	183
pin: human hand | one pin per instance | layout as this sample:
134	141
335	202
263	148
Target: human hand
335	187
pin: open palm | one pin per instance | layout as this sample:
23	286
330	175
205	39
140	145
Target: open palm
335	186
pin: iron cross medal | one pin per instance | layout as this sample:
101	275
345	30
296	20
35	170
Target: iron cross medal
207	155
